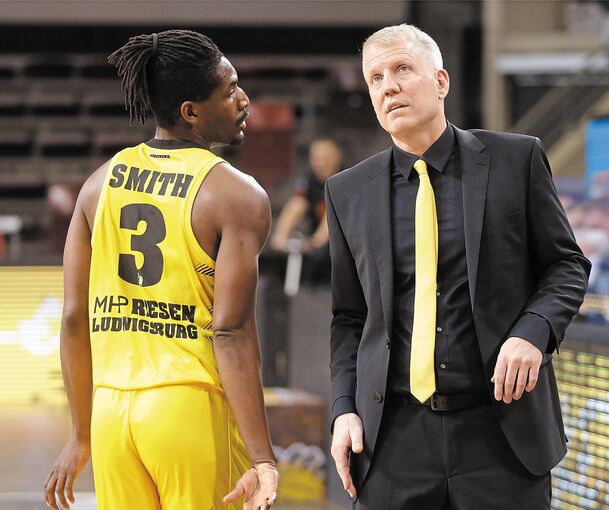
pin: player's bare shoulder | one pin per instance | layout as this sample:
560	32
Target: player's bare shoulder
90	192
235	185
235	197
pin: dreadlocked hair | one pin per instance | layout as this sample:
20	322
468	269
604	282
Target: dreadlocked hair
159	75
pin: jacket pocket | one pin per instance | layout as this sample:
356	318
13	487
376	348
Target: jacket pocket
508	220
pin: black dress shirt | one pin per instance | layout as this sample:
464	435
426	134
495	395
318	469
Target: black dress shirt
458	364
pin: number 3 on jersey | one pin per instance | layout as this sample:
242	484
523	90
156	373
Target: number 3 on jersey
146	243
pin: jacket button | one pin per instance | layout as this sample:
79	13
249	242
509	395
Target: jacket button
378	397
388	344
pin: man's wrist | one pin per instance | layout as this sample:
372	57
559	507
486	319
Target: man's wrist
272	462
271	459
82	436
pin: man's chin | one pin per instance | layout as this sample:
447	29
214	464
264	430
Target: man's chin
401	126
238	140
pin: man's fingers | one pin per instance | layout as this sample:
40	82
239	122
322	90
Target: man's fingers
340	454
70	488
342	468
351	489
357	443
499	377
51	474
533	375
236	493
521	382
268	501
510	381
343	472
265	503
49	491
61	484
345	476
257	487
245	487
347	483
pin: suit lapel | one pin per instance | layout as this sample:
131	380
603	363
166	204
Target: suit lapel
378	208
475	169
475	165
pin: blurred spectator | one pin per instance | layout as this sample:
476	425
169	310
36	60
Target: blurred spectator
599	187
589	219
304	214
594	242
576	214
591	228
61	202
596	214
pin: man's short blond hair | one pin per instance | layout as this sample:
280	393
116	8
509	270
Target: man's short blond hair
407	33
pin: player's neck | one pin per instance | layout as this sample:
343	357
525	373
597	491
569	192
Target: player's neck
177	134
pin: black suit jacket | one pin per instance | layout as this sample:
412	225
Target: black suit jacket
521	257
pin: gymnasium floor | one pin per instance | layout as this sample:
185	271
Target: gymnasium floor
30	439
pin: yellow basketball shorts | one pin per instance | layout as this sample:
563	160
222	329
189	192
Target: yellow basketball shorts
169	447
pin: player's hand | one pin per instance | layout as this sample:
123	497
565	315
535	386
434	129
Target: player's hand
60	482
348	435
517	369
257	486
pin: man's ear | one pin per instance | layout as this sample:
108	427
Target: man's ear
443	83
190	112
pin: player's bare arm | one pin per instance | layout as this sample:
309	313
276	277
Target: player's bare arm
75	348
240	211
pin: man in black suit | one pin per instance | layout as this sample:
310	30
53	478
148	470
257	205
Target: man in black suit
508	278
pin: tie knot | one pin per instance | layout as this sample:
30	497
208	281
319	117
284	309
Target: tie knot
420	166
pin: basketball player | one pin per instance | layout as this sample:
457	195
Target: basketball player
159	348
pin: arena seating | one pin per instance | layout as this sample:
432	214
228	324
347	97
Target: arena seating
62	115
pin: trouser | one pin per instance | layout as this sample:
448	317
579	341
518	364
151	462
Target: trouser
169	447
457	460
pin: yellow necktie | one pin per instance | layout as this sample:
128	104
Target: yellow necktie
422	377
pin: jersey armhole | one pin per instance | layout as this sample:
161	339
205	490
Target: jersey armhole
190	200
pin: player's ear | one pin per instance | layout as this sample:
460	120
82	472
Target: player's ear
190	112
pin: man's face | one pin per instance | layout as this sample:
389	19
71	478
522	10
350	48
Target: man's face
226	109
325	159
406	92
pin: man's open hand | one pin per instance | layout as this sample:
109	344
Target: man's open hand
257	486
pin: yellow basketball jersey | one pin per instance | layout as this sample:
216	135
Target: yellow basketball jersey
151	284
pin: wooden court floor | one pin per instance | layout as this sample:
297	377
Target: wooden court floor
30	439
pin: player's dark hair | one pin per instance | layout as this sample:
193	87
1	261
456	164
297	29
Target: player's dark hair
161	71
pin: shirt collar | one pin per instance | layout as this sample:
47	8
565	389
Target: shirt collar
436	156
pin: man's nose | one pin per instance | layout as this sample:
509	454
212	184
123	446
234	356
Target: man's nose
245	101
390	85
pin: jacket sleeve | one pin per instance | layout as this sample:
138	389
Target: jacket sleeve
558	261
349	313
